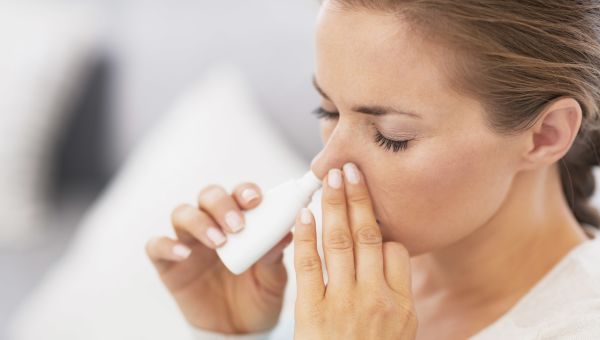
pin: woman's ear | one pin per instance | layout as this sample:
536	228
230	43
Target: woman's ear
551	137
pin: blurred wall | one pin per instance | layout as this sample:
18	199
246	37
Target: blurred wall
158	48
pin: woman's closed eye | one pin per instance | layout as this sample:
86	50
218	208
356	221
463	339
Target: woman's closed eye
322	113
381	140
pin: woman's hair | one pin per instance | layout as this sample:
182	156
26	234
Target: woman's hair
516	57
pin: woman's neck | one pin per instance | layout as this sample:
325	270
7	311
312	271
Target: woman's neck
504	258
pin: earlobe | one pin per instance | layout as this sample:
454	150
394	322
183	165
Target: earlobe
553	134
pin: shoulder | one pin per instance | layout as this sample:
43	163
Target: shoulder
574	284
570	299
565	304
587	256
585	325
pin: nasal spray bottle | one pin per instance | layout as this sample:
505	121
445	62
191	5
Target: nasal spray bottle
268	223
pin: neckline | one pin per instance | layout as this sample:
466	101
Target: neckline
594	233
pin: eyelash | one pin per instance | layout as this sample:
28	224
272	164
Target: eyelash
382	141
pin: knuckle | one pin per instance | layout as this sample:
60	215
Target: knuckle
381	305
408	317
308	263
210	194
335	201
344	302
368	235
181	215
304	239
359	198
155	247
338	240
405	298
209	188
150	246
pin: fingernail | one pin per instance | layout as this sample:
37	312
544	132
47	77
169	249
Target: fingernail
234	221
351	173
334	178
181	251
305	216
249	194
216	236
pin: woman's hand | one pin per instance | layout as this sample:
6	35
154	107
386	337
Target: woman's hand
368	294
208	294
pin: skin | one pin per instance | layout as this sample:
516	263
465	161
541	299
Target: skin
451	222
368	293
470	205
209	296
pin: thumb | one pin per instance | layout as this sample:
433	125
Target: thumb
269	270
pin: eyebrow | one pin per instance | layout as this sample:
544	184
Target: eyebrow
375	110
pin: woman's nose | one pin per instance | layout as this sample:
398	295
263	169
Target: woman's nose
316	165
333	155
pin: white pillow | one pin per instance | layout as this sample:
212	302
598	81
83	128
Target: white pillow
46	50
105	287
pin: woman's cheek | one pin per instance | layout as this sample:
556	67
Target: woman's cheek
441	198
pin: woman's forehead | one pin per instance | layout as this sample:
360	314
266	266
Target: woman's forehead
371	58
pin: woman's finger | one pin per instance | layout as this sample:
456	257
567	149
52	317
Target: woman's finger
363	224
307	263
217	203
337	239
162	251
192	225
396	262
247	195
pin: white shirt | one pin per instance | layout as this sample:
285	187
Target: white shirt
564	304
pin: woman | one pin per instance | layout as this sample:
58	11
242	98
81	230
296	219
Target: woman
460	138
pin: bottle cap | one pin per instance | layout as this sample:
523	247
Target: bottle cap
309	182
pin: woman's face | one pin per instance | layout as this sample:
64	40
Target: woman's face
453	175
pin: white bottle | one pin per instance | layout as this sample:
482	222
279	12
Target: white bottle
268	223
